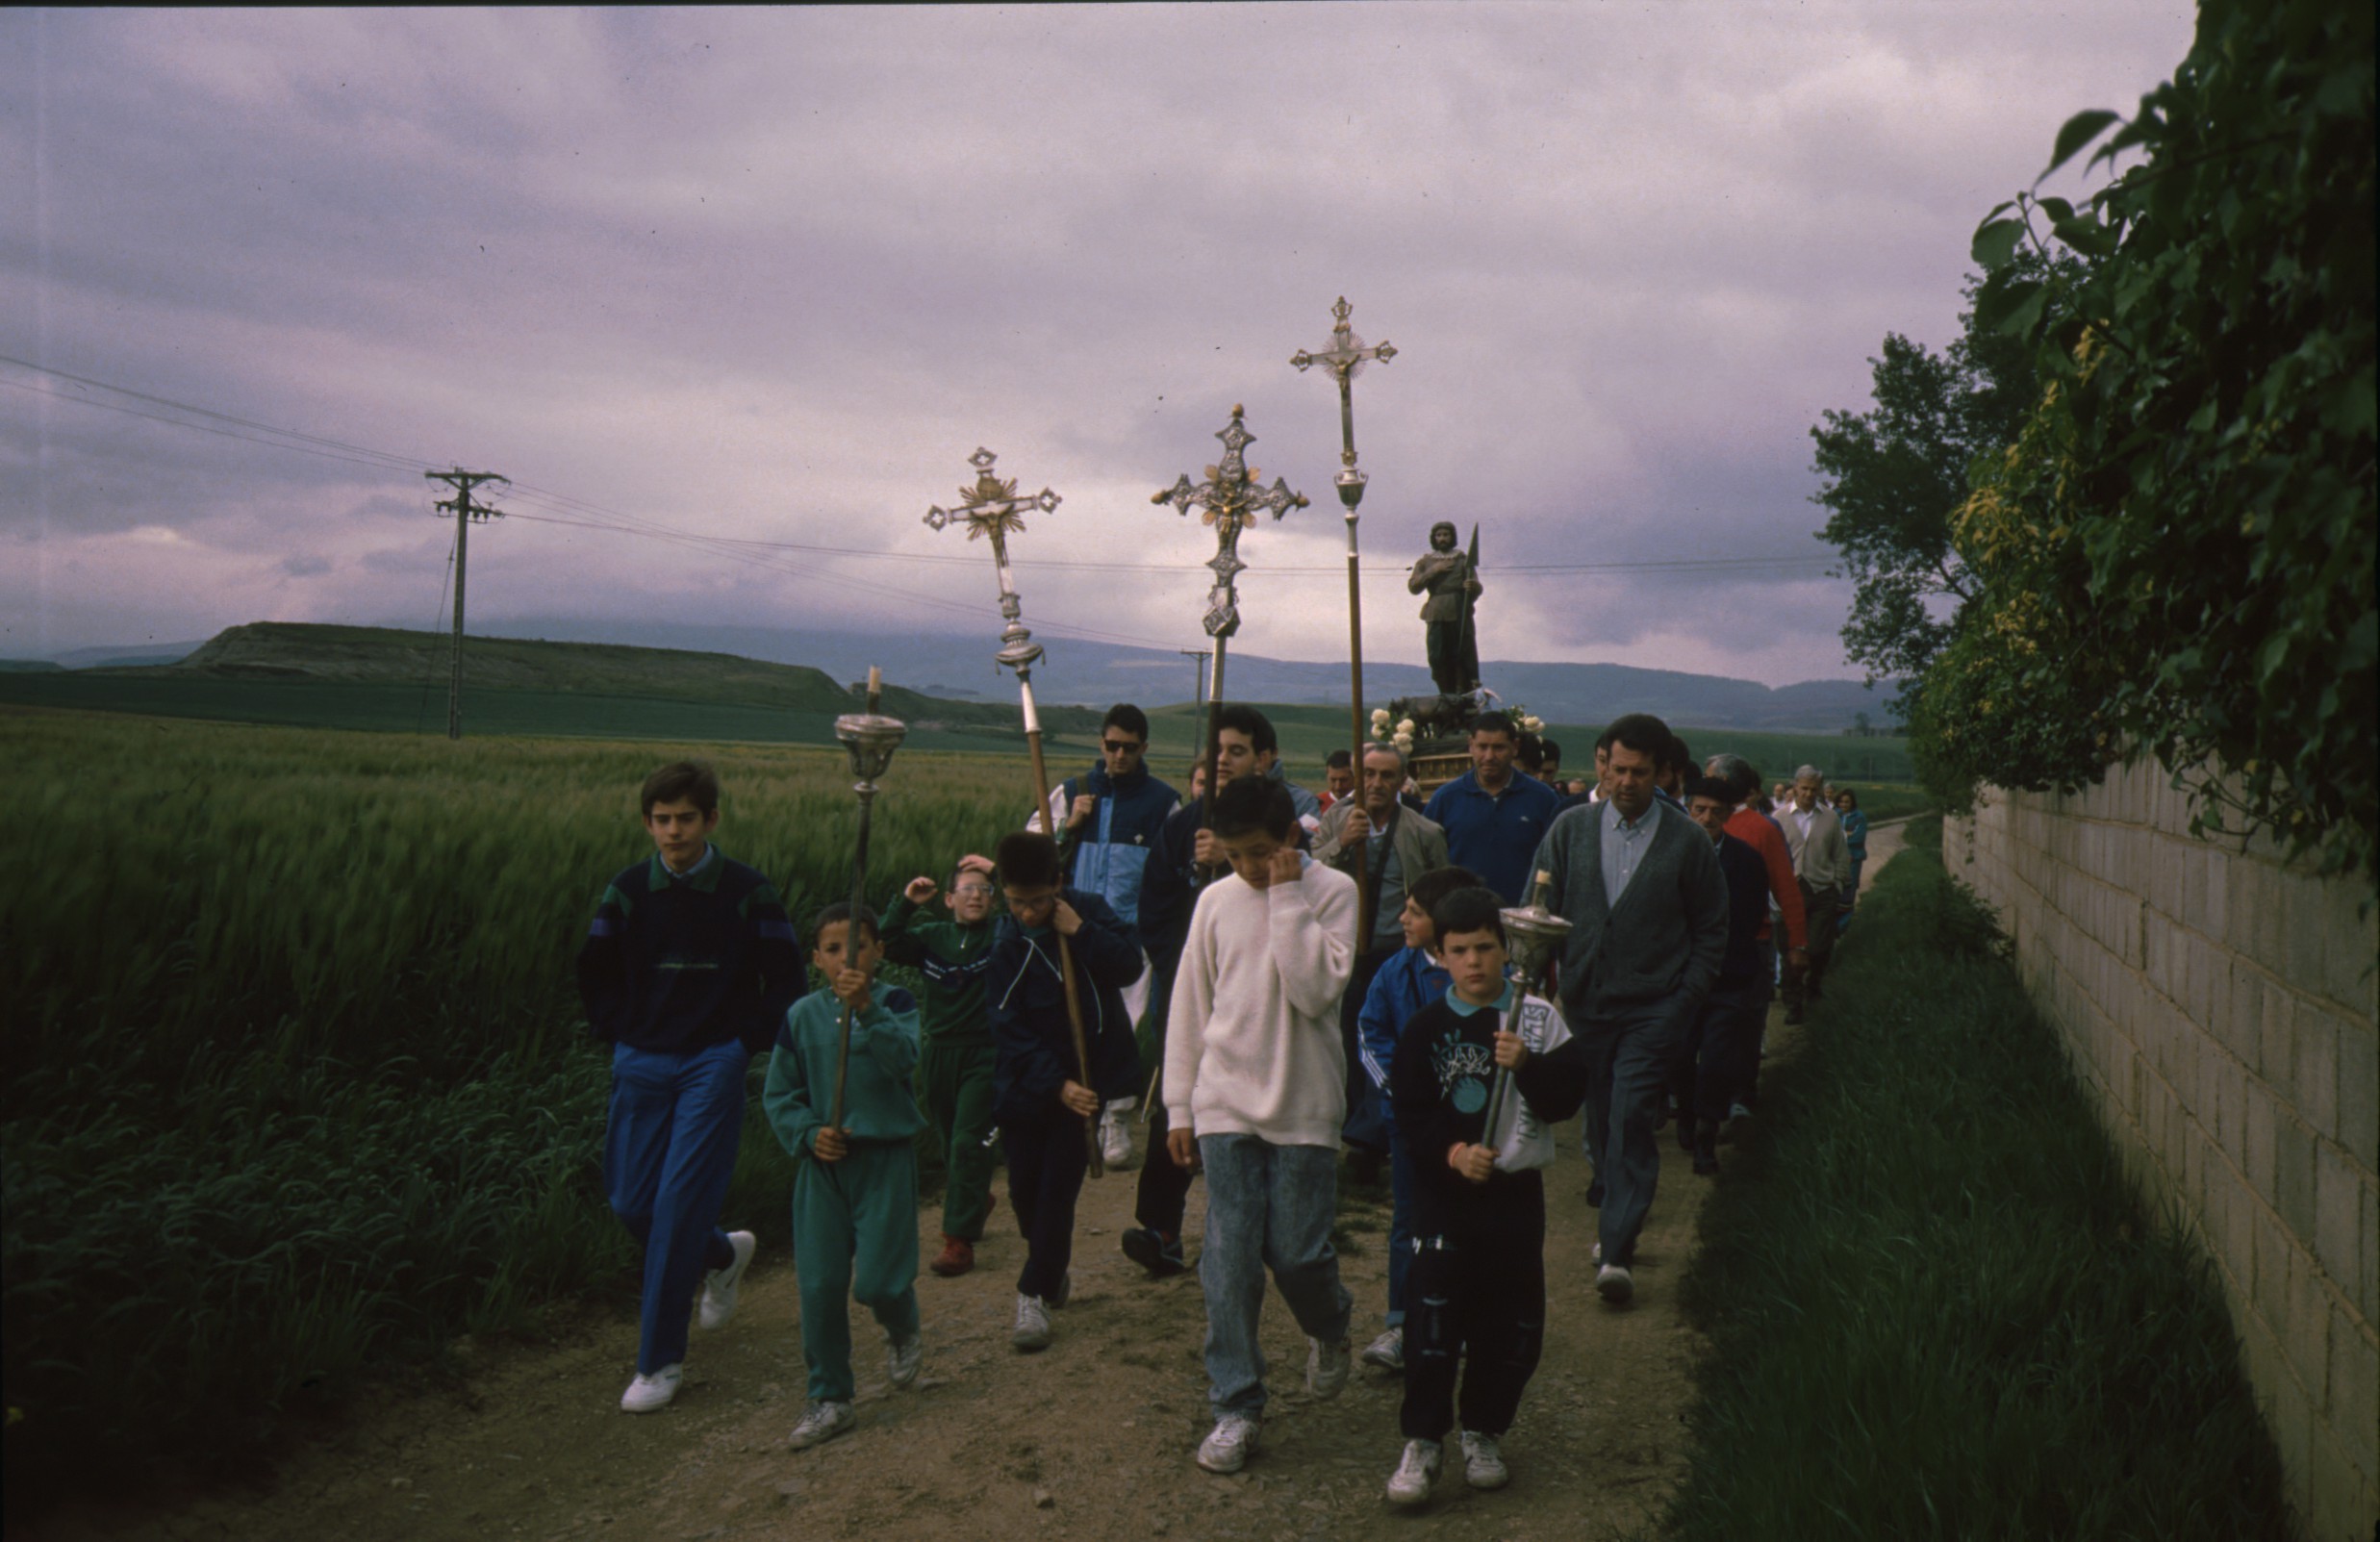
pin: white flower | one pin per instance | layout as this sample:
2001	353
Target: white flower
1380	718
1535	725
1405	728
1404	743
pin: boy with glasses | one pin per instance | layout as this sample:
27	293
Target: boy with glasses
954	1065
1038	1092
1110	820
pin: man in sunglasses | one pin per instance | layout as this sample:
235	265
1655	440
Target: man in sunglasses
1107	821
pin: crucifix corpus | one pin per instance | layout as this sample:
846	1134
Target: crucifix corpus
1345	359
991	508
1231	501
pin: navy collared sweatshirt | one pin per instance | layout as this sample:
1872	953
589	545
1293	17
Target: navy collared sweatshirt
1025	996
678	965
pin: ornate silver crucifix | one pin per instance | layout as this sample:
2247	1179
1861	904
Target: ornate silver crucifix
1233	500
1344	358
992	508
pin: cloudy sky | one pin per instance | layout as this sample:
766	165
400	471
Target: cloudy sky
768	277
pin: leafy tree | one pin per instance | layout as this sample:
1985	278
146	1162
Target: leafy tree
2176	554
1897	472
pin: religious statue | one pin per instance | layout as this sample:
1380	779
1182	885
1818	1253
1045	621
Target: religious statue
1446	574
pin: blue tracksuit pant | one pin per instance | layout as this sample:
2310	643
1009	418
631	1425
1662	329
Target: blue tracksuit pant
668	1149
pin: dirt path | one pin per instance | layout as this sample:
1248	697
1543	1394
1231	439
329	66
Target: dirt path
1092	1439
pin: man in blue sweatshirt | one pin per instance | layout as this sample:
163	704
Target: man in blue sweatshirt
687	969
1494	816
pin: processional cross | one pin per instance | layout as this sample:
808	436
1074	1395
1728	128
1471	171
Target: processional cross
1231	501
991	508
1346	356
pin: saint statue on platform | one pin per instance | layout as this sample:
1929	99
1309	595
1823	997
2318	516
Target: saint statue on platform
1445	573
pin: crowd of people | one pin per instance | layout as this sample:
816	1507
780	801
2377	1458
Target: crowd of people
1318	974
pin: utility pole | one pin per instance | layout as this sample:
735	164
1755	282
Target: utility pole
1198	692
465	510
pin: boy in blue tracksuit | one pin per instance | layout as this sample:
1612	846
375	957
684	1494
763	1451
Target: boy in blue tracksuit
855	1180
1412	980
688	966
1039	1091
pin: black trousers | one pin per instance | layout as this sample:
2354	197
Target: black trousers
1048	1161
1163	1190
1722	1051
1475	1298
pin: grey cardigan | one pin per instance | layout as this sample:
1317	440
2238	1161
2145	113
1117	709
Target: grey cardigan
1668	934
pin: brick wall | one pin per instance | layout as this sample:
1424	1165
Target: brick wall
2222	1006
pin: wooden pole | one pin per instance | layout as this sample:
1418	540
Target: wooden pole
1066	954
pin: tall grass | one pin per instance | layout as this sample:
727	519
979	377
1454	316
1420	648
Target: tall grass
1935	1307
294	1079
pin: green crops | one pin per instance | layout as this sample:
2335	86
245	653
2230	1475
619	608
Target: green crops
294	1082
1936	1309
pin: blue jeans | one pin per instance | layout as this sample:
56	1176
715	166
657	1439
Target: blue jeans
668	1149
1630	1051
1267	1206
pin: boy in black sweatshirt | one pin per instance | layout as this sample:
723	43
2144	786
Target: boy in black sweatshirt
1476	1288
1039	1090
687	969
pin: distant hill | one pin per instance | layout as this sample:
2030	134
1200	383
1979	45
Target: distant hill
362	655
1096	674
27	665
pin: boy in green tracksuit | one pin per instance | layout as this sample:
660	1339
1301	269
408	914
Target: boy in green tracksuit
954	1068
855	1184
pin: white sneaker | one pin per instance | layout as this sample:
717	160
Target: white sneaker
1226	1447
1614	1284
1115	1137
900	1366
1417	1470
718	1286
1388	1352
1482	1464
648	1393
1032	1330
821	1422
1327	1366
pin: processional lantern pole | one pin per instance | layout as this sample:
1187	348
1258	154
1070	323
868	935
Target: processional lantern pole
1345	359
1231	501
869	739
990	508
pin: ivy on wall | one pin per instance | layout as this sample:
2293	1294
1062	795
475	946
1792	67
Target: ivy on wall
2175	556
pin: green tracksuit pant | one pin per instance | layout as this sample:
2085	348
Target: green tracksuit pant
954	1086
855	1235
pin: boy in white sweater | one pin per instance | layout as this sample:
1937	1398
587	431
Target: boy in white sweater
1255	1091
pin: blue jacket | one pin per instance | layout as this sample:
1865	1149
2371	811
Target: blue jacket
1855	833
1026	997
1495	837
1111	854
1405	984
1747	909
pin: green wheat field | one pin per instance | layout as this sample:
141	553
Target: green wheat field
296	1086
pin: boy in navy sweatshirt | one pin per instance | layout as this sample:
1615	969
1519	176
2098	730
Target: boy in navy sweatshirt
688	968
1478	1283
1038	1092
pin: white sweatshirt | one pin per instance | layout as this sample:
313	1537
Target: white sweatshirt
1252	1039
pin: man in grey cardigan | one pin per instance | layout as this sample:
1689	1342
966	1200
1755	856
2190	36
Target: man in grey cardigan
1647	904
1822	865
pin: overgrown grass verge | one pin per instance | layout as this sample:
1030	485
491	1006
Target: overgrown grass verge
1936	1308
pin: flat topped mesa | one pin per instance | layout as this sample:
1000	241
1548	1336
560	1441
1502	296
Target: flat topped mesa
992	508
1231	501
